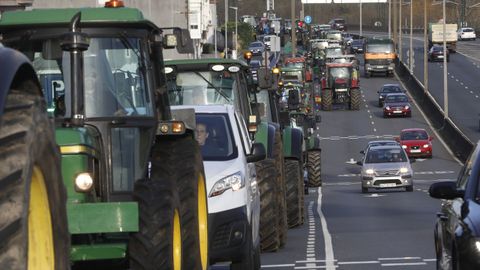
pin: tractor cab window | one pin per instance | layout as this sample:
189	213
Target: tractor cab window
203	88
343	73
114	76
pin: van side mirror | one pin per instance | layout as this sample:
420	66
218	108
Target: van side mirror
258	153
412	160
360	163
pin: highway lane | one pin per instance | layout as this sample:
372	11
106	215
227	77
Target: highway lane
365	231
463	89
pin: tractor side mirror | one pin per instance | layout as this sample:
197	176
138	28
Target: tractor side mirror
264	76
284	118
184	43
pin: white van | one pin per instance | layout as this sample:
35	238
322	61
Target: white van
233	195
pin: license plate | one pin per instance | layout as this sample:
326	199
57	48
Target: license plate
379	66
440	56
397	111
415	151
388	185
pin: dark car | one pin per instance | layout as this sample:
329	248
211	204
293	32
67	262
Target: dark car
457	229
254	67
396	105
388	89
356	46
436	54
257	48
338	24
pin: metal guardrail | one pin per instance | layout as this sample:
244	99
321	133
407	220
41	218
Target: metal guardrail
458	143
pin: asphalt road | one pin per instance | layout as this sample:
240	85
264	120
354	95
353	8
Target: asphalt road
463	71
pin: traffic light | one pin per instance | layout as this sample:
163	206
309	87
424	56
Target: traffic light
300	24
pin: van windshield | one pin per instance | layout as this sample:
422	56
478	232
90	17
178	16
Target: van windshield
214	135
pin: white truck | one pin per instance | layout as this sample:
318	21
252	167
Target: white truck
435	35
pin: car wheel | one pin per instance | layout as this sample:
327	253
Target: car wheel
380	104
409	188
364	190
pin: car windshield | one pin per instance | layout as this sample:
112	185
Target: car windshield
357	42
396	99
215	137
255	45
385	155
391	89
414	135
255	64
380	48
437	49
202	88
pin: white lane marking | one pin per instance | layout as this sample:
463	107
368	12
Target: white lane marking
399	258
278	265
476	96
429	260
373	123
466	87
374	130
403	264
329	256
359	262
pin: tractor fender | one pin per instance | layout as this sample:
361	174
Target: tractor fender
15	68
313	143
293	143
266	135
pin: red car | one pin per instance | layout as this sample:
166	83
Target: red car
416	142
396	104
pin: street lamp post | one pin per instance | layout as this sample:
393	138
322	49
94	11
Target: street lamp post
400	53
411	38
389	19
226	29
425	46
361	15
445	82
236	33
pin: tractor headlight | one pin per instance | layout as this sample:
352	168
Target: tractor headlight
83	182
234	182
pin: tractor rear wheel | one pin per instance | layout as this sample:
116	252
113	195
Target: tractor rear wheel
327	99
294	192
269	231
314	169
34	232
355	97
277	153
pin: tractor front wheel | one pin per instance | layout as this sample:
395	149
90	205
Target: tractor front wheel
295	192
314	170
355	97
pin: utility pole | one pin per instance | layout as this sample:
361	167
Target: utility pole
389	18
294	29
400	40
425	46
445	81
226	27
411	38
395	23
361	15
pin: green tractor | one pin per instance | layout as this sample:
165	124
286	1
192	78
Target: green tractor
227	81
134	176
34	218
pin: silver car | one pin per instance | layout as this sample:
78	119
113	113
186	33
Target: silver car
386	166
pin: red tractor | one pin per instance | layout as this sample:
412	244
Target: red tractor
340	84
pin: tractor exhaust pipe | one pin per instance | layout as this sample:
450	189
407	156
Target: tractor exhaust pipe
76	43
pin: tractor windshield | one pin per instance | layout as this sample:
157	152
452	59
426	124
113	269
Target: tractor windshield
334	52
340	72
202	88
114	76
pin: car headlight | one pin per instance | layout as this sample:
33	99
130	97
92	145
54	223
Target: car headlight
369	171
407	107
404	146
426	146
83	182
403	170
387	108
234	182
477	245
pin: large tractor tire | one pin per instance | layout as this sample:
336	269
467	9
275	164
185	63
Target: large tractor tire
281	188
294	192
158	244
34	232
269	231
314	169
178	159
327	99
355	99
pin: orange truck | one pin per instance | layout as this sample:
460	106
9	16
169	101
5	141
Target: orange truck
379	57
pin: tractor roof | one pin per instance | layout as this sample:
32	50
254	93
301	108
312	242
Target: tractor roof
295	60
204	64
339	65
62	17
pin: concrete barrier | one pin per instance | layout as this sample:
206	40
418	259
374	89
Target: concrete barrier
458	143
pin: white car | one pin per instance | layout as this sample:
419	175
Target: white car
466	33
229	158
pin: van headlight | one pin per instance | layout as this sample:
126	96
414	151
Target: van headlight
403	170
234	182
83	182
369	171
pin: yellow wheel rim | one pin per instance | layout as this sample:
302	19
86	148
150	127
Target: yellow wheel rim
40	234
203	220
177	242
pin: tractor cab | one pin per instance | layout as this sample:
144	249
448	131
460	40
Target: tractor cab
340	84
